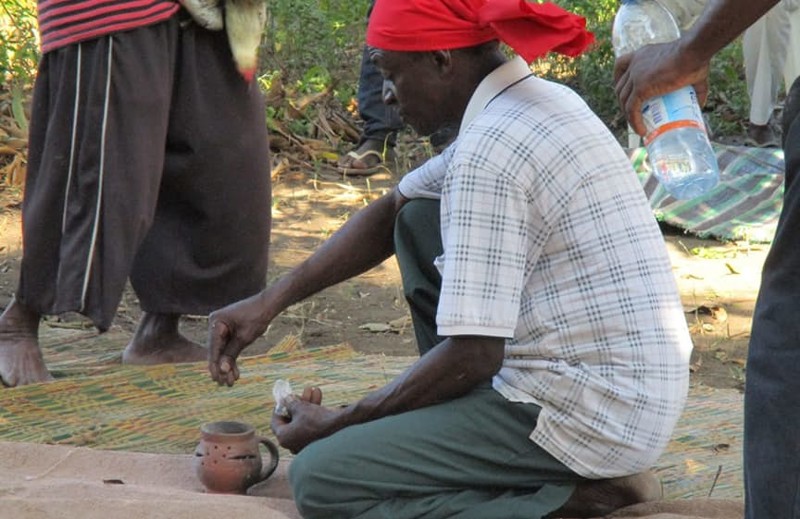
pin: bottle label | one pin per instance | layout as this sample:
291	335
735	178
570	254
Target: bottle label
677	109
685	123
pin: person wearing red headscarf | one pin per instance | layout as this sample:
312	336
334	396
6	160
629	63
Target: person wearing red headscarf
554	353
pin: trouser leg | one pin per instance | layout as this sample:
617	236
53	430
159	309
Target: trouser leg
764	48
418	242
791	69
208	244
469	458
772	389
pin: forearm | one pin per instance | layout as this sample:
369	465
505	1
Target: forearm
452	369
363	242
721	22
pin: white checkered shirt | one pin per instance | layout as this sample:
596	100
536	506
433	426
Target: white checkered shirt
549	242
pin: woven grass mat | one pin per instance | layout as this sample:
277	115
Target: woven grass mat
159	409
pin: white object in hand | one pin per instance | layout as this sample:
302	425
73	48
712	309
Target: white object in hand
280	391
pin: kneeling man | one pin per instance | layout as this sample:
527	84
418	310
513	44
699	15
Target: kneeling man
554	350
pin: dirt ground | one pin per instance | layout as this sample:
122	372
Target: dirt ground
718	281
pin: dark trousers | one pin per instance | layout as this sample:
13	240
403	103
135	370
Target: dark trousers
469	458
772	390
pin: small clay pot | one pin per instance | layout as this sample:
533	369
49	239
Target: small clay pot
227	459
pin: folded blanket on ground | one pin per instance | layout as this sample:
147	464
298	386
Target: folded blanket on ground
745	205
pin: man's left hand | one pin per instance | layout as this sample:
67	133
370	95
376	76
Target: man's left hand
308	420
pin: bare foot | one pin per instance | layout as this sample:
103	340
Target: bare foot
21	360
597	498
158	341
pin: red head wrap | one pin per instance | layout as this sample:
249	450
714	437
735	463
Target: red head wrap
531	29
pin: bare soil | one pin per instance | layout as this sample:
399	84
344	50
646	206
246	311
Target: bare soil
718	281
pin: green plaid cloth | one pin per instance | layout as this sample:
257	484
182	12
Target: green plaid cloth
745	205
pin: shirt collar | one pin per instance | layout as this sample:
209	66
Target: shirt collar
499	79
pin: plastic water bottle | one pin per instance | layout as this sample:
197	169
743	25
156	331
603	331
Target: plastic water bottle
677	143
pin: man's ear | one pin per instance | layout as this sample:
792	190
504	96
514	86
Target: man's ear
443	59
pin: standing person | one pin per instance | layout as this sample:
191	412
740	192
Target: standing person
772	386
146	148
554	349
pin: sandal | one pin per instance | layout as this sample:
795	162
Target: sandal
372	160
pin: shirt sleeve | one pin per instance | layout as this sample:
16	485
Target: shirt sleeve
426	181
483	265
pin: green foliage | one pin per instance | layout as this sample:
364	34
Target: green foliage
314	44
728	103
19	45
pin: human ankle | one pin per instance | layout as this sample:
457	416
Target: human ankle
19	318
155	325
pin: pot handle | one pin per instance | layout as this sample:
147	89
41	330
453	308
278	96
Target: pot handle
273	456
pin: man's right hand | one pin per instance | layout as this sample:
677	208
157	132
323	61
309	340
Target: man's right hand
231	330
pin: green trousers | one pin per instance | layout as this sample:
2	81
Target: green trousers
468	458
417	242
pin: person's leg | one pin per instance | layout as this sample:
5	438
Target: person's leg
764	49
21	360
791	69
468	458
158	340
418	241
772	387
208	246
92	160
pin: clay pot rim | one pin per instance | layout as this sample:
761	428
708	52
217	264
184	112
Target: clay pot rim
220	428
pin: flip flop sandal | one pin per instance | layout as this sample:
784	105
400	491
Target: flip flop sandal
354	155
